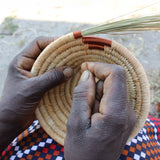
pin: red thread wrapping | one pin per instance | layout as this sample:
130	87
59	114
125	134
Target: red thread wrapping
95	46
97	41
77	34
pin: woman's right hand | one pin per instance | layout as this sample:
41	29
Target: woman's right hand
101	119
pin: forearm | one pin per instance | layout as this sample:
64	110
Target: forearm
7	134
9	127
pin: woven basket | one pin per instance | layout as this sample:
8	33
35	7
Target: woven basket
68	50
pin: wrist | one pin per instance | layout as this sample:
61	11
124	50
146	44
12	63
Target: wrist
7	134
12	115
9	126
7	113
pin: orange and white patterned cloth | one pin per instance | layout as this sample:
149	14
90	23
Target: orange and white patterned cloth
35	144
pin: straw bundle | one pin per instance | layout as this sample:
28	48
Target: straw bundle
68	50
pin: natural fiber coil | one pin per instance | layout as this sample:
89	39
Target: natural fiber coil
68	50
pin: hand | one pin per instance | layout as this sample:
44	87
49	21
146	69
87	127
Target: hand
22	91
101	119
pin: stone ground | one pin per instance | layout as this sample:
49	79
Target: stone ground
21	22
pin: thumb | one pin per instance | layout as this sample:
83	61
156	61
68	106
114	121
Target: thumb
83	99
52	78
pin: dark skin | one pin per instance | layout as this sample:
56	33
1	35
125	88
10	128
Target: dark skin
100	114
101	119
22	91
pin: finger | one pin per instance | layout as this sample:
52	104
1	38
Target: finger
25	73
101	70
99	90
50	79
131	118
25	63
28	56
114	90
83	100
95	107
99	94
37	46
24	66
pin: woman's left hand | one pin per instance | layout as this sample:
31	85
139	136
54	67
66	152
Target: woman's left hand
22	91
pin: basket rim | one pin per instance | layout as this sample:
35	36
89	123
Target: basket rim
100	44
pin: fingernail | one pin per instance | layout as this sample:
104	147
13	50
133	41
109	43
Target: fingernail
85	76
68	72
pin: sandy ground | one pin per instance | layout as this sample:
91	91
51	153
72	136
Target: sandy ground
35	18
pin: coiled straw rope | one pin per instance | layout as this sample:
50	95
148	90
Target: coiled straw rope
68	50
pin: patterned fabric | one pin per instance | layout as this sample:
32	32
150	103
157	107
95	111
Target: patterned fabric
146	145
35	144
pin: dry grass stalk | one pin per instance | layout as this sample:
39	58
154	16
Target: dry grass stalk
132	24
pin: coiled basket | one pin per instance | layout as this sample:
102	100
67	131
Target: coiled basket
68	50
